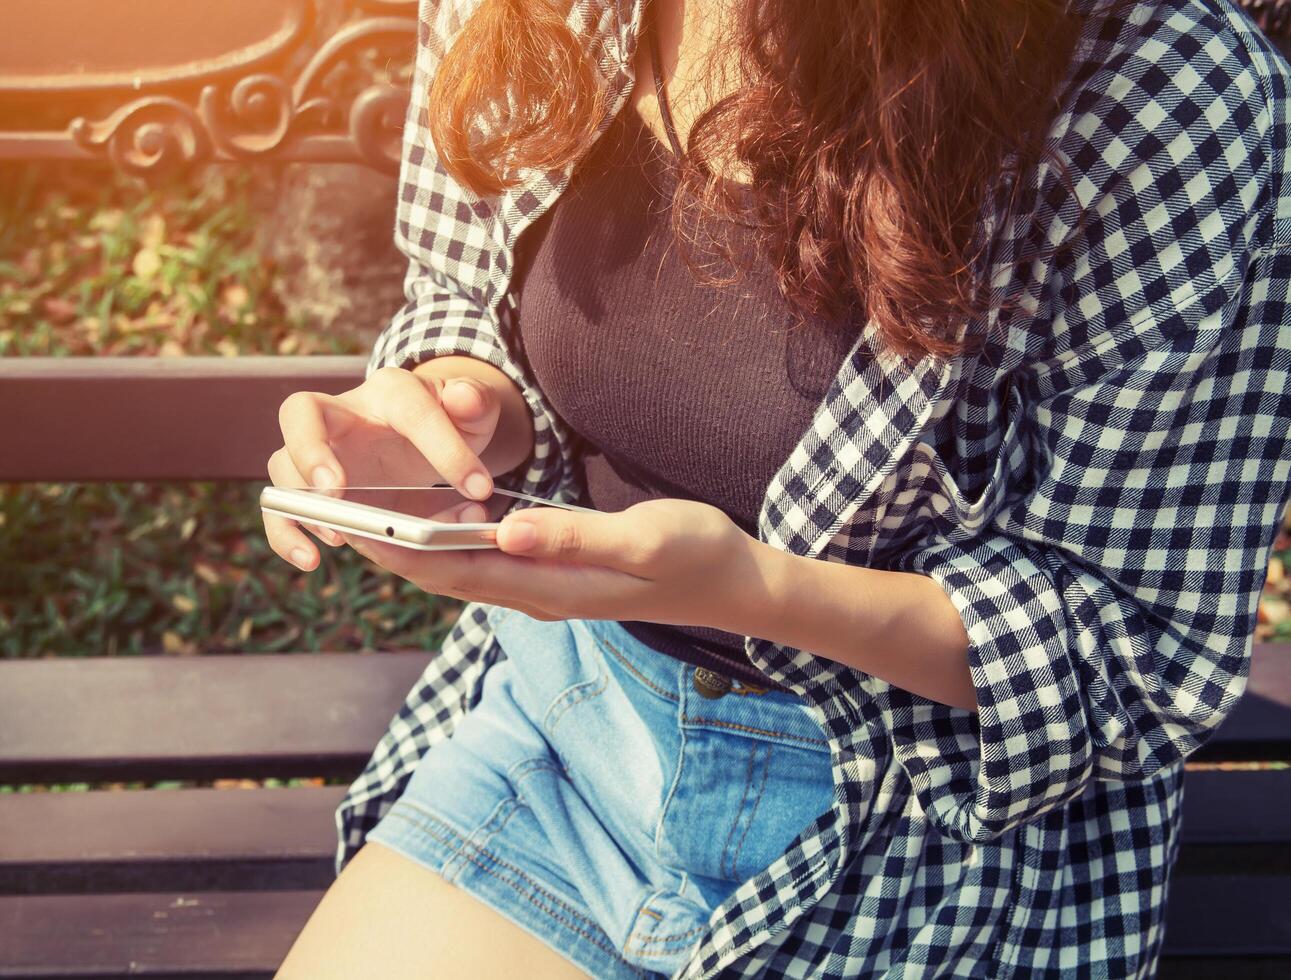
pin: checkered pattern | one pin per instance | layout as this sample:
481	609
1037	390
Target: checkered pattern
1097	492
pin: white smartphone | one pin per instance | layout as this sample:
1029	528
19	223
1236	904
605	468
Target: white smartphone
422	518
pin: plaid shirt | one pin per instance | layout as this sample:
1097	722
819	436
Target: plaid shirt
1097	491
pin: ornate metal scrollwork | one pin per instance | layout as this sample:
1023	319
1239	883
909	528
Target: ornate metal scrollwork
151	135
339	103
252	119
375	113
376	124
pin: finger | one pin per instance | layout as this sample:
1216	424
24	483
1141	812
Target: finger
304	418
611	540
473	406
470	512
282	472
290	543
416	414
285	538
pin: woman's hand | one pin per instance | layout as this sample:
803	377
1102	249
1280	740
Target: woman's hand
677	562
398	428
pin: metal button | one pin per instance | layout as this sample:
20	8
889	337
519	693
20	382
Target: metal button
710	684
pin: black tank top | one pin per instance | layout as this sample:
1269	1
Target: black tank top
672	389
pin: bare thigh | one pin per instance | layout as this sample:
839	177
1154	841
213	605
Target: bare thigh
387	916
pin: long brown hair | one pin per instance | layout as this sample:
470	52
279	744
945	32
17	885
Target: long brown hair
871	130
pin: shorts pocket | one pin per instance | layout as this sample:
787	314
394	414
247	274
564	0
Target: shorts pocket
738	802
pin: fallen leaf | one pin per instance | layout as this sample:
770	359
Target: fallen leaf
1277	572
107	220
206	573
235	296
183	603
146	264
154	231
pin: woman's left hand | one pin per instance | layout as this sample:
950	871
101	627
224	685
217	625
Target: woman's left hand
670	561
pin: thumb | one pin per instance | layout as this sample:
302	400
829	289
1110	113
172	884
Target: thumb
472	405
551	532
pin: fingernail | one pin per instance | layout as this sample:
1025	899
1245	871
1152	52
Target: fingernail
522	536
477	485
324	478
300	558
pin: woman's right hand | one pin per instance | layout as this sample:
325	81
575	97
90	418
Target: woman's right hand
398	428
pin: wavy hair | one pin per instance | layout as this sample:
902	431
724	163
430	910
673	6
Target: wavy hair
870	133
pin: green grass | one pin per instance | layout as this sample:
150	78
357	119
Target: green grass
113	266
184	569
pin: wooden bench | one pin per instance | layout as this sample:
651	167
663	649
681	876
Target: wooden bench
217	883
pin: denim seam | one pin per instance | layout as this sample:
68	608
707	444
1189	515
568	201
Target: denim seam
499	816
762	787
692	720
458	842
574	696
622	658
530	766
672	789
675	939
744	798
482	859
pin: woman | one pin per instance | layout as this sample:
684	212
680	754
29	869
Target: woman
934	520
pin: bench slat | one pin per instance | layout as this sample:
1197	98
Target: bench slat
155	418
1260	727
221	715
161	825
212	934
1238	915
223	933
1236	807
158	840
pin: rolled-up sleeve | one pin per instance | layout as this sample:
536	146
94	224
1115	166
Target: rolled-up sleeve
437	321
1110	615
1110	602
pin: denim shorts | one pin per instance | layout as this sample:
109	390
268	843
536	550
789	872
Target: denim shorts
595	797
